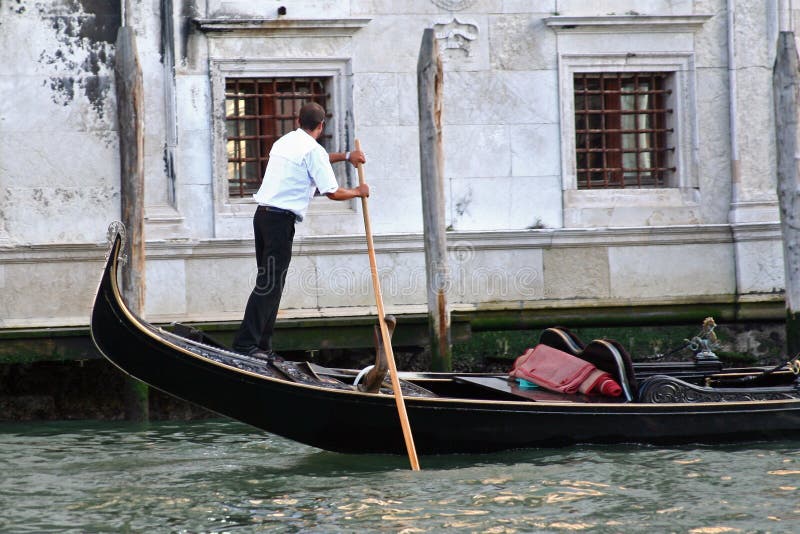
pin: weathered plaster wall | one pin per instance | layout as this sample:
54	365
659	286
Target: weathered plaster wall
58	154
503	148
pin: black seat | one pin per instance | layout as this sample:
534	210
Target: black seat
611	357
562	339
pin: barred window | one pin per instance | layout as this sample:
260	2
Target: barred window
622	133
257	112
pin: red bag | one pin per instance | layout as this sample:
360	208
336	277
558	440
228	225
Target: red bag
558	371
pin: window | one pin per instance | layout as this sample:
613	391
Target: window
255	101
628	82
621	130
257	112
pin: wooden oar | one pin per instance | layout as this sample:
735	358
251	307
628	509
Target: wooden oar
387	341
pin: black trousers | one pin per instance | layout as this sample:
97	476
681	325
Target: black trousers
274	232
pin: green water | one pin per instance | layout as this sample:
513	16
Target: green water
220	476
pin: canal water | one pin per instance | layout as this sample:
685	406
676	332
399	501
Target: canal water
221	476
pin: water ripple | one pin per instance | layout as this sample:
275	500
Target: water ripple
220	476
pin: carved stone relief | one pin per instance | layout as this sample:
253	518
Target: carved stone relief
453	5
456	37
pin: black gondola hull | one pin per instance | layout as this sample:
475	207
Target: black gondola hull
355	422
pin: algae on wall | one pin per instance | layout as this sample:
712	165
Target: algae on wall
740	344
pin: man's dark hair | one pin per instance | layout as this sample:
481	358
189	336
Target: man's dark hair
311	115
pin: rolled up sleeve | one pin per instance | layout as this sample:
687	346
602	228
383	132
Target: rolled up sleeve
321	172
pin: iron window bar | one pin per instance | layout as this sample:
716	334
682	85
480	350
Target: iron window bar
621	130
257	112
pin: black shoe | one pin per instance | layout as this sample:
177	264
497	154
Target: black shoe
265	355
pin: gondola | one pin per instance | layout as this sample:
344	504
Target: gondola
694	402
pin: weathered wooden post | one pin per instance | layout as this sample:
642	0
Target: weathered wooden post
429	94
787	96
130	118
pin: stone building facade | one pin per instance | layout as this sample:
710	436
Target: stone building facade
606	154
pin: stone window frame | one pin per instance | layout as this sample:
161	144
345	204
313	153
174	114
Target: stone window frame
337	70
601	44
684	123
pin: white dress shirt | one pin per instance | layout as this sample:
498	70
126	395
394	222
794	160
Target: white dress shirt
297	167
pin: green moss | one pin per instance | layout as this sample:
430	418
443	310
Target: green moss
49	349
642	342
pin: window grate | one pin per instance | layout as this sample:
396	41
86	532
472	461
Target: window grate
621	130
257	112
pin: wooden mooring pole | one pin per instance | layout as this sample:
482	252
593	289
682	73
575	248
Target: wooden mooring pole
429	94
786	87
130	117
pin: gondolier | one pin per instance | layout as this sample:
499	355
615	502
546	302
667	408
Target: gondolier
298	166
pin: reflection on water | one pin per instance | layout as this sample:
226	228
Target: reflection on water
220	476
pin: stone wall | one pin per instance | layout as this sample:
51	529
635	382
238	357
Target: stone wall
523	237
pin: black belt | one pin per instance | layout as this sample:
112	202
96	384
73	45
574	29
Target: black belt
278	210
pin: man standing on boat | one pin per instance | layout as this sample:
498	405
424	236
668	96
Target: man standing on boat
297	167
